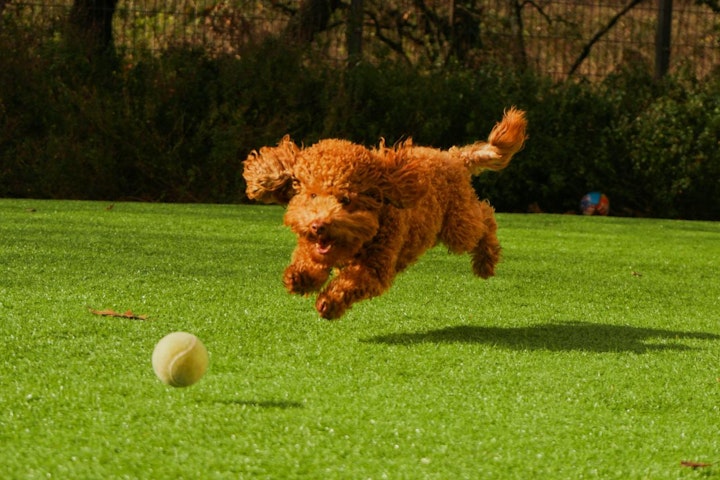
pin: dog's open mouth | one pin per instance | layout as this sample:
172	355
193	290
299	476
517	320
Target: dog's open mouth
323	245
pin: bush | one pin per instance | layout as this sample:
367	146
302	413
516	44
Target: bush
176	127
674	152
565	155
173	128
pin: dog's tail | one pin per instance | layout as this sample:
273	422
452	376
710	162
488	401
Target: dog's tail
505	140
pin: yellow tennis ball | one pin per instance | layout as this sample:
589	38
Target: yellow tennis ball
180	359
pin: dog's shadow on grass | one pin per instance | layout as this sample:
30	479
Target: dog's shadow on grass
569	336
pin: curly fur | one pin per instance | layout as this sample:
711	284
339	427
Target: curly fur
367	214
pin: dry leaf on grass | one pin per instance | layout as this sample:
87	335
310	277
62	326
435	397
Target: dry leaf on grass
694	465
112	313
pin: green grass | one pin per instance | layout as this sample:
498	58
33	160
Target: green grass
595	352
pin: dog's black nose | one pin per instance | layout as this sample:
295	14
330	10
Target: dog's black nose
318	228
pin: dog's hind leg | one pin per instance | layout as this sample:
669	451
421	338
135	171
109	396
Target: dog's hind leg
472	228
486	254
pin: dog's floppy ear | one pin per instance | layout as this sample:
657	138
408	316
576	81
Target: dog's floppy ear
269	173
402	182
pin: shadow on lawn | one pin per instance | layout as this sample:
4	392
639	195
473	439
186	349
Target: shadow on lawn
570	336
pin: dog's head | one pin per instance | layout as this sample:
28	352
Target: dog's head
336	191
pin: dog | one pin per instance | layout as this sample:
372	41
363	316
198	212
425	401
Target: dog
361	216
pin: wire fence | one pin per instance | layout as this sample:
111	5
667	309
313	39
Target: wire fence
560	38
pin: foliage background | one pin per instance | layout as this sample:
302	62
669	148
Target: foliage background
170	118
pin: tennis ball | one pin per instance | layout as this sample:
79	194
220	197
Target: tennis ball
180	359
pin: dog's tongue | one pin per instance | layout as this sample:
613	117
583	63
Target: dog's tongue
323	246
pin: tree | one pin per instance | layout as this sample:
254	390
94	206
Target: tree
311	18
435	31
601	33
354	33
91	27
463	29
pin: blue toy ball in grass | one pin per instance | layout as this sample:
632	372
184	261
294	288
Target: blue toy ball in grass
595	203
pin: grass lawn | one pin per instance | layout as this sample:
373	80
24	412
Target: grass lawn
595	352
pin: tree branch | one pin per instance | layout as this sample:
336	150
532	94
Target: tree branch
586	49
394	46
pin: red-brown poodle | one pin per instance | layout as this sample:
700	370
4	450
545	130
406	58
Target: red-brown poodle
364	215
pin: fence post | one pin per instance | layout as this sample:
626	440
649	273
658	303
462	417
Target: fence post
662	38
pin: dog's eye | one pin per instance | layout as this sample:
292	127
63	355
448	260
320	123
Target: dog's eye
375	194
344	200
313	195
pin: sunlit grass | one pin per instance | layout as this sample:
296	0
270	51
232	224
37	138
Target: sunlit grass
592	354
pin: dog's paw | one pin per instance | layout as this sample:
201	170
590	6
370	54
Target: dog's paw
485	258
302	282
484	271
328	308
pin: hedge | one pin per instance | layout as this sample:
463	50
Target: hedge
176	127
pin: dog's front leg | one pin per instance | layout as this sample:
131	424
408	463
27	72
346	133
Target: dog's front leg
305	275
353	283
